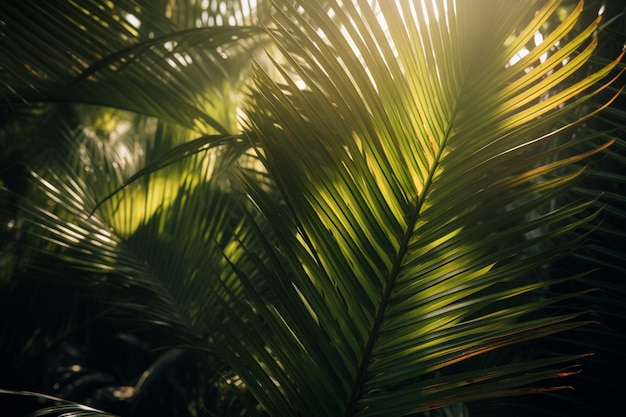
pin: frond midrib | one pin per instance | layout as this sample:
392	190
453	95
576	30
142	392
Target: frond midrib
396	268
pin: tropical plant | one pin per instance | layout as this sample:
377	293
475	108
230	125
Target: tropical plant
341	208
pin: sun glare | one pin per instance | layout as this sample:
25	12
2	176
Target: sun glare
133	20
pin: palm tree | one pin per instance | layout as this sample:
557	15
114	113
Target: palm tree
340	208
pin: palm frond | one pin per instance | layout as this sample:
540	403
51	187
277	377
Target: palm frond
103	56
112	245
63	407
410	165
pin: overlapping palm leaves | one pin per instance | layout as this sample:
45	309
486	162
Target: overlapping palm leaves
112	58
395	235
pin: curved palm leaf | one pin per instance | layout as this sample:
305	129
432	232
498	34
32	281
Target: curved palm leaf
102	55
63	407
410	167
116	243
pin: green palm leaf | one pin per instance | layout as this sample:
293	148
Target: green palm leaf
102	55
410	167
116	241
